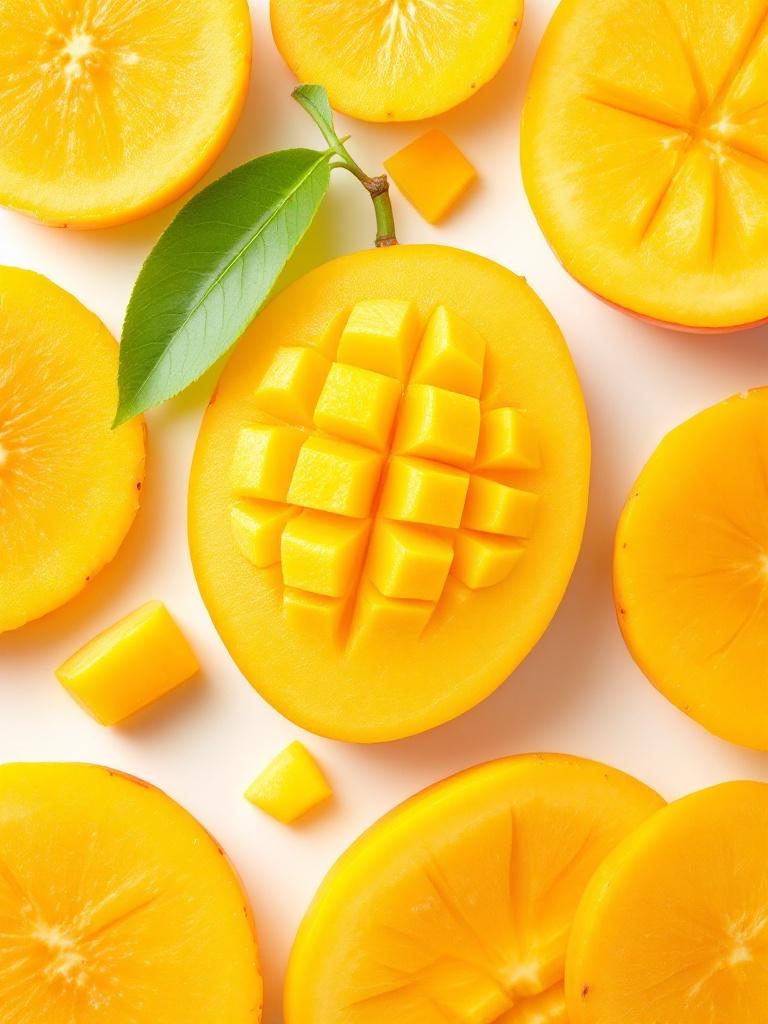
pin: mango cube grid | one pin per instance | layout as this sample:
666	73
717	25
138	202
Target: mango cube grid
263	461
438	424
507	441
290	786
381	335
130	665
408	561
257	527
432	173
358	405
334	476
429	493
495	508
292	383
322	554
451	355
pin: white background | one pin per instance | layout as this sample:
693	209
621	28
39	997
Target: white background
578	692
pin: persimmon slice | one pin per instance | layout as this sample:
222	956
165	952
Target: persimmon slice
457	905
69	484
110	109
116	905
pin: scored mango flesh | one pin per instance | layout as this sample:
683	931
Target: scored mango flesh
645	155
116	905
396	60
390	483
456	907
112	108
691	568
69	484
673	928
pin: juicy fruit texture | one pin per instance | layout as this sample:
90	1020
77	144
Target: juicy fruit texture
662	105
130	665
392	60
116	905
290	786
377	556
457	906
691	568
432	173
673	929
69	484
110	109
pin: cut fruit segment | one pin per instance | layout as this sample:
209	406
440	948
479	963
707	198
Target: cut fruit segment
672	929
116	905
691	568
662	106
290	786
457	905
385	60
432	173
69	484
112	109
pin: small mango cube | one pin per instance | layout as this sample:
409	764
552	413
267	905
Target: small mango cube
423	492
314	614
263	462
381	335
451	355
291	785
257	527
432	173
438	424
481	560
130	665
327	342
379	616
507	441
323	554
292	383
408	562
358	405
495	508
335	476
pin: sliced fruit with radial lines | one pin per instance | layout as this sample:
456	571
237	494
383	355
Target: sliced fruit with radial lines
456	907
691	568
69	484
116	905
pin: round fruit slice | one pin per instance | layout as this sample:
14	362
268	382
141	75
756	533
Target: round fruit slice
387	60
661	106
672	929
691	568
110	109
457	906
116	905
69	484
389	490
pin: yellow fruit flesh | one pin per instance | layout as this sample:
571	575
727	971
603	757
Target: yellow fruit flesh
673	929
432	173
457	906
691	568
116	905
388	60
662	107
112	108
290	786
341	583
69	484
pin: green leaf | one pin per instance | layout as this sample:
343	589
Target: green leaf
212	271
314	99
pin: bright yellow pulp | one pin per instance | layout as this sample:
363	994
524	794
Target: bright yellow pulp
645	154
390	484
691	568
112	108
396	60
69	484
115	905
673	928
457	906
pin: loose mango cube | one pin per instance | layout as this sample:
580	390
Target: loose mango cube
409	562
358	405
495	508
257	527
432	173
323	554
314	614
481	560
263	462
131	664
507	441
423	492
334	476
381	335
292	383
291	785
451	354
438	424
